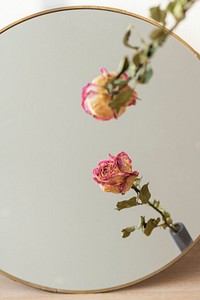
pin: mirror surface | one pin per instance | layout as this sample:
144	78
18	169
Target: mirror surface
57	228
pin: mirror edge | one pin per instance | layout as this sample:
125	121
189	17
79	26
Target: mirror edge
184	43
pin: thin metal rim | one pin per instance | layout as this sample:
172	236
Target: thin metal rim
103	8
123	12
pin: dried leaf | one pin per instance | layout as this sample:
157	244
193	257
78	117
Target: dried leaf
142	222
123	66
158	14
144	194
127	231
151	225
158	35
121	99
177	9
145	74
156	203
127	37
127	203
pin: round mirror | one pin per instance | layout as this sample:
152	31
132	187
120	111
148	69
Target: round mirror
58	230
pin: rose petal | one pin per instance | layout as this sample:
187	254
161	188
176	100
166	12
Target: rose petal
104	71
128	183
115	175
124	162
110	189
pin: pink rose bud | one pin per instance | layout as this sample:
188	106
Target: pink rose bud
96	98
115	175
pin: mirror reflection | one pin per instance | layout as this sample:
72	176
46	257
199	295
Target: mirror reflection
57	228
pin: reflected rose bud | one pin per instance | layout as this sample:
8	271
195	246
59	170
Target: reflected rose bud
115	175
96	99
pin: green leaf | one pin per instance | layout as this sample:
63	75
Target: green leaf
131	70
127	203
119	82
146	75
121	99
158	35
171	6
151	224
152	47
137	59
137	182
127	231
166	214
123	66
177	9
156	203
158	14
127	37
108	86
158	220
142	222
140	58
169	220
164	226
144	194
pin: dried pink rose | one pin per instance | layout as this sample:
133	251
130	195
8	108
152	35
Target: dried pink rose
115	175
96	98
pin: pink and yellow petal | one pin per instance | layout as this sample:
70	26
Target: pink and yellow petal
110	188
128	183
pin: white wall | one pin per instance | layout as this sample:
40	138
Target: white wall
12	10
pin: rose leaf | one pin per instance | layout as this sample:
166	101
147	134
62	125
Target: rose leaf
123	66
127	231
158	35
121	99
144	194
150	226
127	203
158	14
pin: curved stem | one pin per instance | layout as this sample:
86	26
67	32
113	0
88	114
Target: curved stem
136	189
186	7
169	32
171	226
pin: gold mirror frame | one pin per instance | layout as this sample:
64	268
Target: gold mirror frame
197	55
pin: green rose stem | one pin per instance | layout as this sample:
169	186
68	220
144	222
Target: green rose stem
171	226
138	67
116	176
